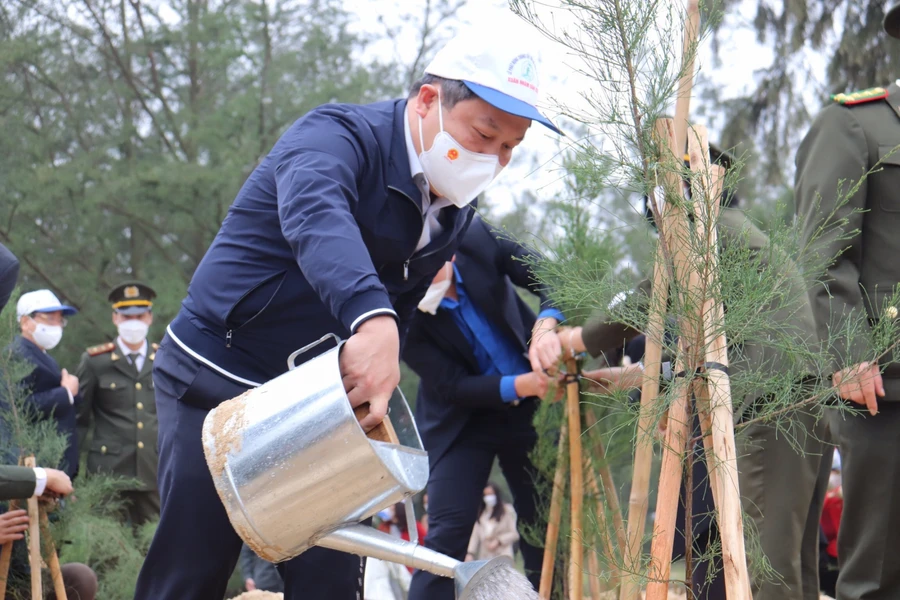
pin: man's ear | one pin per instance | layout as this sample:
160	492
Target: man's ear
427	96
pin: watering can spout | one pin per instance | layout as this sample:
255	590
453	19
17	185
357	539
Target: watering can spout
366	541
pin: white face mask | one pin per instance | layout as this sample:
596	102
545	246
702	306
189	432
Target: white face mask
47	336
133	331
457	174
436	292
490	500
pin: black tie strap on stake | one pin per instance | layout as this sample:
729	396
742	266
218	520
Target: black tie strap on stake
708	366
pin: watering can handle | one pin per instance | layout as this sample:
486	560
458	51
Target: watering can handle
291	361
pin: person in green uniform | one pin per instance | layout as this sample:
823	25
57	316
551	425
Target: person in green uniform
855	134
779	486
117	387
18	483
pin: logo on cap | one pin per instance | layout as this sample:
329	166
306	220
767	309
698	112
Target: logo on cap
452	153
132	291
522	71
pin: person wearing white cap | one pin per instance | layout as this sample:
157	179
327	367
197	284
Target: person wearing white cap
339	230
52	391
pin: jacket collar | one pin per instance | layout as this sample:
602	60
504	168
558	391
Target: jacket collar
399	175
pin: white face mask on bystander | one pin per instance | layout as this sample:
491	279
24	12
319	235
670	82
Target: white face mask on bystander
133	331
435	293
47	336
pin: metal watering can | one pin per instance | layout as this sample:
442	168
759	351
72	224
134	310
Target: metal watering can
294	446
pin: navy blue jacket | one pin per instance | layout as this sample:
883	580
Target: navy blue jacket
9	272
49	398
452	388
322	234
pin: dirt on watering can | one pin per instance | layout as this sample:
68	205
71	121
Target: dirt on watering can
228	422
259	595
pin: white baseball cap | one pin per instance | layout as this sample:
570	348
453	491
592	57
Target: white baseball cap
41	301
500	65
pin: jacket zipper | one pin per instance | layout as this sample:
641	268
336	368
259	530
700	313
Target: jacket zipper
421	231
409	259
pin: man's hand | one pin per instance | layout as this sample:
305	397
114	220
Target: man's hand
861	384
571	341
249	584
70	382
12	525
532	384
370	367
545	349
58	483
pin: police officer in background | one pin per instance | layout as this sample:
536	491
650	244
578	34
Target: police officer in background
856	134
339	230
118	402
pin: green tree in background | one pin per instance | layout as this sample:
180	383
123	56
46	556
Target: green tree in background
818	48
129	127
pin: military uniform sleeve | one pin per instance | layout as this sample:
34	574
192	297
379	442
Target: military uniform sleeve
834	151
600	335
317	183
16	482
87	386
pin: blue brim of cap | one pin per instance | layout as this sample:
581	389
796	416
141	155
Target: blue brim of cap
66	310
513	106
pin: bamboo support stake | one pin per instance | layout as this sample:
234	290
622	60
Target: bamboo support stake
34	541
59	586
723	460
594	575
678	430
677	433
686	83
639	497
643	454
576	473
5	558
556	499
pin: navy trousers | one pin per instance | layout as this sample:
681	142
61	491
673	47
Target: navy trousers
456	485
195	548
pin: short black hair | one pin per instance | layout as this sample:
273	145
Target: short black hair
453	91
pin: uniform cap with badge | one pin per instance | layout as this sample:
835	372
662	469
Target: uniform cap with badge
132	298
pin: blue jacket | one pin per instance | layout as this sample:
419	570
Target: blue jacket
452	388
9	272
49	398
322	234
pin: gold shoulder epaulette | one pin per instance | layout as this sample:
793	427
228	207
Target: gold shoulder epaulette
101	349
860	97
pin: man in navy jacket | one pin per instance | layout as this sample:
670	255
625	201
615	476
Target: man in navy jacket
52	392
9	273
340	229
478	350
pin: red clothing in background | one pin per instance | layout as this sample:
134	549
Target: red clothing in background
831	519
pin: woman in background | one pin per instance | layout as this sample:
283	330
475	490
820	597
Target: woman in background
495	531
